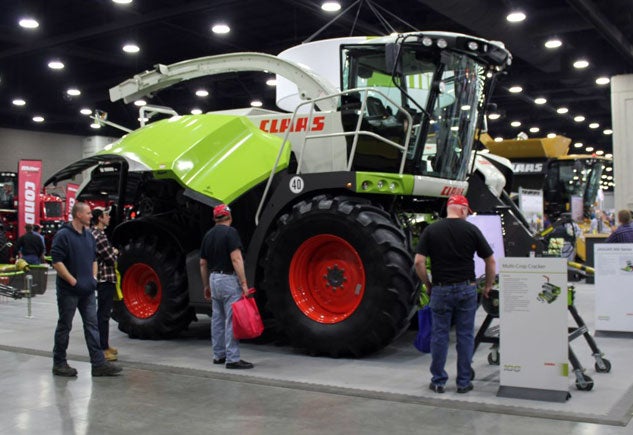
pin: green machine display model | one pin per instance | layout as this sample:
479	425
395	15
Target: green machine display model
323	197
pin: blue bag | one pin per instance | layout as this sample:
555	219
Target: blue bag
423	339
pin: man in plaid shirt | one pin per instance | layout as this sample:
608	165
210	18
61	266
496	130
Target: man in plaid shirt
624	233
106	279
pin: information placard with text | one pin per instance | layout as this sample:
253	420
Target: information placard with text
533	329
614	286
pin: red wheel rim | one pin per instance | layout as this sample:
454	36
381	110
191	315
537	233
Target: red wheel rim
142	291
327	278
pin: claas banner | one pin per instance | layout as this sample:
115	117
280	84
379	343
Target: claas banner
29	184
71	196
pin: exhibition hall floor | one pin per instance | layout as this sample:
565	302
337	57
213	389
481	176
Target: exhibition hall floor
177	377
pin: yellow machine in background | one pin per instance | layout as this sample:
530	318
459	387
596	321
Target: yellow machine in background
544	163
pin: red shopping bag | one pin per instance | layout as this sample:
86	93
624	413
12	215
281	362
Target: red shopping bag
247	323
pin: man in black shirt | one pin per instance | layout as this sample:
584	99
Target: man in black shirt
30	246
221	255
451	244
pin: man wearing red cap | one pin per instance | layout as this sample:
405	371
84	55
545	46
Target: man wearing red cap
451	244
222	271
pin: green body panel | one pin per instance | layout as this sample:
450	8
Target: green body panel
384	183
220	156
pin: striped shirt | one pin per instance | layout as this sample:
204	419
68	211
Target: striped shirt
105	257
622	234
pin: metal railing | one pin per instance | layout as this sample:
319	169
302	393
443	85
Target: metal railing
364	92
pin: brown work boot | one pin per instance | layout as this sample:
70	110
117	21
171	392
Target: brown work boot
109	355
113	350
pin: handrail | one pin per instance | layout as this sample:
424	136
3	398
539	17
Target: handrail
356	133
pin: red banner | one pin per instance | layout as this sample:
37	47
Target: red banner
29	184
71	195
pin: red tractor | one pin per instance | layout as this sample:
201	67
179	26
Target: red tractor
50	215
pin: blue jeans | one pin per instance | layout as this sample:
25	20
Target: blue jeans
225	291
450	303
67	303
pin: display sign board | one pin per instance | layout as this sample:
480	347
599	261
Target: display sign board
614	286
29	184
577	208
533	329
491	228
531	204
71	195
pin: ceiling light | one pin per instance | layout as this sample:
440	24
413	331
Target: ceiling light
551	135
594	125
18	102
122	2
28	23
534	129
95	125
562	110
515	17
140	103
589	149
465	107
85	111
256	103
202	93
608	169
515	89
271	82
38	118
581	63
331	6
578	145
603	80
494	116
515	123
498	139
579	118
220	28
196	111
609	156
56	64
599	152
553	43
540	100
607	131
73	92
131	48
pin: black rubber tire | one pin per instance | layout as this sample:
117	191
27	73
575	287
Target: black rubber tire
607	366
173	313
586	385
492	360
389	300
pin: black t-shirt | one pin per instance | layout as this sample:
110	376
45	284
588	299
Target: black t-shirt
30	244
451	244
217	245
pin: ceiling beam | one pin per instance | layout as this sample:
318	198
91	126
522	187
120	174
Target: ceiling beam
588	10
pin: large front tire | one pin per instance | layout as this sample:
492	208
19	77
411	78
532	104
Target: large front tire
155	301
337	277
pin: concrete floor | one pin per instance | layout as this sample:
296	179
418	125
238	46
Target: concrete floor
180	391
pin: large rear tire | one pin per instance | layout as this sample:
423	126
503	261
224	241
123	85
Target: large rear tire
155	301
337	277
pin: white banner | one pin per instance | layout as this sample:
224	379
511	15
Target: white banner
491	228
614	286
531	204
533	328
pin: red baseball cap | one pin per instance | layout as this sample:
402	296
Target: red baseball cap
220	211
459	200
